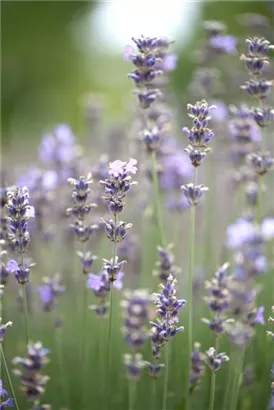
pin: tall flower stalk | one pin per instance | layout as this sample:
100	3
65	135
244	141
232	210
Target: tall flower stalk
116	187
137	312
19	212
151	60
218	302
256	60
199	137
8	402
165	327
83	229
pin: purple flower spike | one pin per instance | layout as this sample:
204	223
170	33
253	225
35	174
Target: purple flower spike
224	43
8	403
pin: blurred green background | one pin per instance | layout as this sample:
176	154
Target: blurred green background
54	56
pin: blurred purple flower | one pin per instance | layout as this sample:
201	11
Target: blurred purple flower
221	112
239	233
176	170
50	179
12	266
268	228
128	51
259	318
224	43
170	62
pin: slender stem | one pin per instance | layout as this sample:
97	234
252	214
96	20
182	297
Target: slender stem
165	378
109	345
153	395
213	380
132	394
25	304
60	358
157	200
190	291
259	201
228	386
8	376
239	360
109	341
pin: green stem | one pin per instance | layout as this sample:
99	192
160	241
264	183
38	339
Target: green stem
157	200
25	304
213	380
62	370
238	366
109	341
8	377
228	386
190	292
153	395
259	201
132	394
165	378
109	345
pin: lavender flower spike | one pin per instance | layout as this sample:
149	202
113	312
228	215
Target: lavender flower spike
193	193
8	403
197	366
3	329
167	307
215	361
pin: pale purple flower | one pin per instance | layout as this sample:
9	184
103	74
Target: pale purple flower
118	168
12	266
239	233
50	179
170	62
176	170
259	318
224	43
128	51
221	112
268	228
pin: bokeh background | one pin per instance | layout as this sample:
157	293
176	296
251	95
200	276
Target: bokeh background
57	54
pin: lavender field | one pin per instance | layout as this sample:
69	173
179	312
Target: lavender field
137	261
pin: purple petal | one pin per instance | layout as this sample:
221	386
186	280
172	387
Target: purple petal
12	266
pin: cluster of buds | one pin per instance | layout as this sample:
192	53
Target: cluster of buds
3	329
32	380
100	284
149	60
4	273
215	360
81	210
167	307
165	266
19	212
137	313
256	60
218	300
50	291
7	402
199	137
117	186
197	366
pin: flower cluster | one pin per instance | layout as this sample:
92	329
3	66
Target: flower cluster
81	227
197	366
50	291
19	212
151	60
218	301
137	312
199	137
4	403
32	380
3	329
100	284
168	307
215	361
165	266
